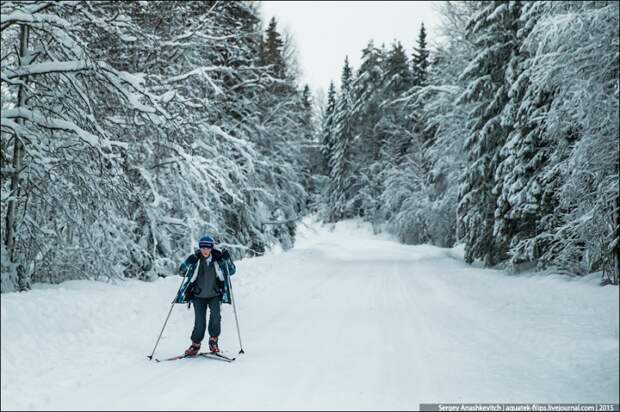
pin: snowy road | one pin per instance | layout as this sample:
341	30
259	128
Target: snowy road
345	320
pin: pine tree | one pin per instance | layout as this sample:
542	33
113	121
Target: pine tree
327	146
367	96
281	141
492	31
311	159
439	124
420	65
395	123
420	59
397	73
524	156
273	46
340	166
400	202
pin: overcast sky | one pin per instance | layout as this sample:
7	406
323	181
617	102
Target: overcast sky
326	31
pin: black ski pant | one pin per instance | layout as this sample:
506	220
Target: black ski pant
200	317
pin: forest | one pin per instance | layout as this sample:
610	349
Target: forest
130	129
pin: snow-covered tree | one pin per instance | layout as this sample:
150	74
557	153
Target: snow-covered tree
280	139
396	123
367	94
273	50
440	123
327	123
508	143
340	167
493	32
62	189
367	97
420	59
134	128
574	48
524	155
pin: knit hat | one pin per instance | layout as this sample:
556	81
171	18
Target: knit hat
206	241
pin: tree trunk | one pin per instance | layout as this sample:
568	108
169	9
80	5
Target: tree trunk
616	277
18	154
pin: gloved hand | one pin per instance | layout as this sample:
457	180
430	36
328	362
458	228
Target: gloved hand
225	254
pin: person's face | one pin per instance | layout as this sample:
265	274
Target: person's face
205	251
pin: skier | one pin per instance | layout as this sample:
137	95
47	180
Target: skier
209	289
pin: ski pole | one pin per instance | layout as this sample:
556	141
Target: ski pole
232	298
162	331
168	317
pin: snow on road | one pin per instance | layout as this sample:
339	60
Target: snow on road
345	320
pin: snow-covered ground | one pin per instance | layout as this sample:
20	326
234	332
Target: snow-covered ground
345	320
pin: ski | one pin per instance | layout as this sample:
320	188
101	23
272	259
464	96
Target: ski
216	355
171	359
212	355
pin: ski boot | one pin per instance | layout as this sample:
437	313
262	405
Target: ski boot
193	349
213	344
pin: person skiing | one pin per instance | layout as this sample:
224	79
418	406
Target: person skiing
209	288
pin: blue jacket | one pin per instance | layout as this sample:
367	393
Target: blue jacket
223	269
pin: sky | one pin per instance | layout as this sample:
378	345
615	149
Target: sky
327	31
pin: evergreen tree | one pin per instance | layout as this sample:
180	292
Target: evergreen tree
492	30
420	65
340	166
439	123
400	154
327	146
581	124
395	124
420	59
368	94
397	73
523	157
280	139
306	105
311	153
367	97
273	47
